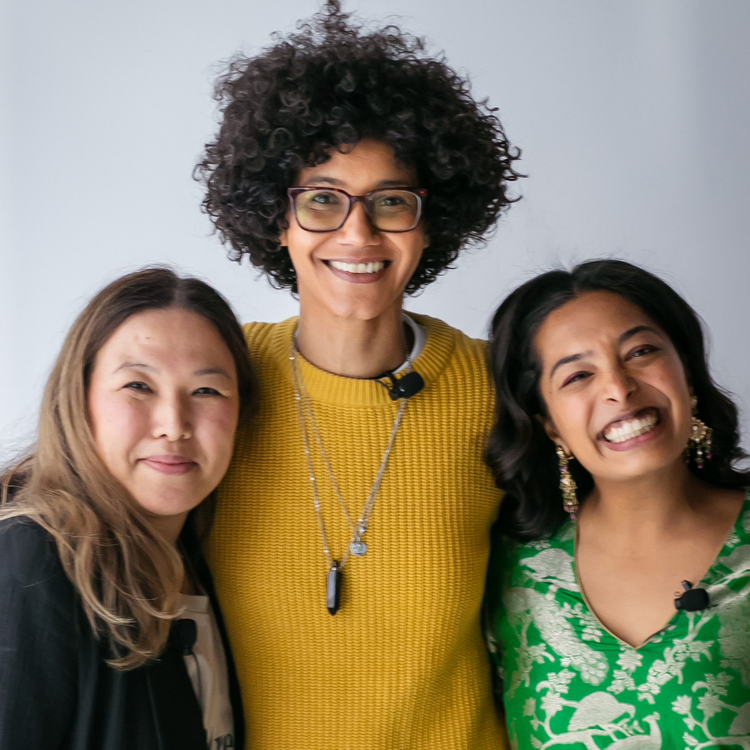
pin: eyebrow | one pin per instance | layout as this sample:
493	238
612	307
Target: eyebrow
620	340
633	331
568	360
134	366
213	371
197	373
338	183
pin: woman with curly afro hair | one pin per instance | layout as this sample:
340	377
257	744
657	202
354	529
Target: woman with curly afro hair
351	538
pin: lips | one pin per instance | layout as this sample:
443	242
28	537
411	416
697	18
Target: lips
359	271
372	267
629	427
169	464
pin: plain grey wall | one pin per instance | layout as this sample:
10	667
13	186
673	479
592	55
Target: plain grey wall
633	118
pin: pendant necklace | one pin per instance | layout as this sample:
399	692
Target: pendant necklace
357	547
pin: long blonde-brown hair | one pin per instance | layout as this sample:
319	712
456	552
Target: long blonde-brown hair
127	575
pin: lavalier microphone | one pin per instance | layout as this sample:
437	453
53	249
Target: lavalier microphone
405	387
693	600
184	635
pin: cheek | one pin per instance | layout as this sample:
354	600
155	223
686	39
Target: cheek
411	246
216	428
300	245
117	426
572	416
670	378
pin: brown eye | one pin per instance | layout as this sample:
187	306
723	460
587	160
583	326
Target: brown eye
641	351
137	385
206	392
575	378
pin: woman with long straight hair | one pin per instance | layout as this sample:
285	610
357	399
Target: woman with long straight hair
623	615
110	635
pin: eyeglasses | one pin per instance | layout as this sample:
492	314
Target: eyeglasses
326	209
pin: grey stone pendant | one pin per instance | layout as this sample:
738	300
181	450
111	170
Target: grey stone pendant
358	548
333	588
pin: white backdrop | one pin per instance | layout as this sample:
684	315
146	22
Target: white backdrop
633	118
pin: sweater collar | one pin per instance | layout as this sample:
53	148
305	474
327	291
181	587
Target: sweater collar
324	386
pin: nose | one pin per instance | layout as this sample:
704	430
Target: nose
619	384
171	419
357	230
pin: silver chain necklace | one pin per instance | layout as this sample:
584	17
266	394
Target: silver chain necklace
357	547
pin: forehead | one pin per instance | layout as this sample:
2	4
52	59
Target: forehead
362	167
166	339
590	320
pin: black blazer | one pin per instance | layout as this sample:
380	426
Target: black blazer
56	690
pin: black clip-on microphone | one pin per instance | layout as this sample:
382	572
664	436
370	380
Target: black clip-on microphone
405	387
693	600
184	635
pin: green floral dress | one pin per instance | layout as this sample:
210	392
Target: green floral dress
569	683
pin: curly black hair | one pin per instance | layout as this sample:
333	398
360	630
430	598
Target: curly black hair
521	456
327	87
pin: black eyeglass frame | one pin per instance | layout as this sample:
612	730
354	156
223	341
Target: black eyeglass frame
420	193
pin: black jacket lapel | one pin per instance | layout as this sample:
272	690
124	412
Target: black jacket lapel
176	710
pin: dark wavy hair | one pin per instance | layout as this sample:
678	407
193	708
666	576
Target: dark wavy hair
520	455
327	87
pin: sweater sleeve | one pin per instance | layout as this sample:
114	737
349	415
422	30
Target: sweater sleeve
38	642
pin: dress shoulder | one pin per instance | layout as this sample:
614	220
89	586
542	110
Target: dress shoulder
29	555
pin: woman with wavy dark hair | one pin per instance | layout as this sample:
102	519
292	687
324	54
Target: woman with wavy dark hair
352	536
622	603
110	636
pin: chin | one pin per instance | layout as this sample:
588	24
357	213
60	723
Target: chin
358	309
168	510
171	502
638	469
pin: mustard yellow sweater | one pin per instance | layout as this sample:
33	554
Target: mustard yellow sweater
402	666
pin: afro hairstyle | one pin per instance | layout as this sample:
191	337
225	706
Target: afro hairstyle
328	86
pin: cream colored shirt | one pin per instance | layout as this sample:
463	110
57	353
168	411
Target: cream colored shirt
208	673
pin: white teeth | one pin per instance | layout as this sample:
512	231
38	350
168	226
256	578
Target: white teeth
632	428
357	267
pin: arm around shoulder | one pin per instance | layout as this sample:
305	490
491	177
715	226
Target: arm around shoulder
38	640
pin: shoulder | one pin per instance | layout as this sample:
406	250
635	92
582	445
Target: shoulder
459	339
446	341
269	343
261	337
28	553
458	361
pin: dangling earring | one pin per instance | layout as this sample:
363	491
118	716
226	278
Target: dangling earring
567	484
700	435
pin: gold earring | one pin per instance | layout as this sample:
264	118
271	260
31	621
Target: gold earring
567	484
700	435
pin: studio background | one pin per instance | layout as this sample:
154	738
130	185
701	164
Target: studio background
633	118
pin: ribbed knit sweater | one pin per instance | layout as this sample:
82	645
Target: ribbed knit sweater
402	666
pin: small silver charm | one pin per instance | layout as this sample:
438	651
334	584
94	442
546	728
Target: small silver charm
358	548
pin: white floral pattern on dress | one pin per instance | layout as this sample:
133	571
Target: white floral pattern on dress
570	684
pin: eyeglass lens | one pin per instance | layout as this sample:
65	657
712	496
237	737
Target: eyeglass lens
388	210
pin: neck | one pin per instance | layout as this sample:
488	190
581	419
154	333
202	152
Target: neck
169	526
353	348
646	505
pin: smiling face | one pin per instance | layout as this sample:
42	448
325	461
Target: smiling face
163	406
355	272
615	389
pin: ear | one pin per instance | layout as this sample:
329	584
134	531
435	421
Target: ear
425	242
552	433
283	238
